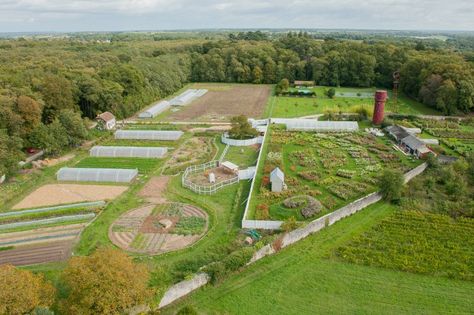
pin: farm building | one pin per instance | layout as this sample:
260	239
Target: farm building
407	141
114	175
277	180
106	121
155	109
321	126
138	152
300	83
414	146
166	135
230	166
187	97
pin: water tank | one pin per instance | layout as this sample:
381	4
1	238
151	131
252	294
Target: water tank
380	98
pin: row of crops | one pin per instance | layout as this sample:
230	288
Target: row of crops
416	242
52	216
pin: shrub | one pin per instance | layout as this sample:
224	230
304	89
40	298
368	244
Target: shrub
331	92
289	225
262	212
187	310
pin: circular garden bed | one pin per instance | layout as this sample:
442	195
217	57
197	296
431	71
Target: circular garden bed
158	229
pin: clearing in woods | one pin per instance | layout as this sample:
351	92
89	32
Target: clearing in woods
224	101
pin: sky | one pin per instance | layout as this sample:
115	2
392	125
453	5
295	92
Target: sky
123	15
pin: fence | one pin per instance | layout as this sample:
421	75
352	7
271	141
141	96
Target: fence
241	143
205	189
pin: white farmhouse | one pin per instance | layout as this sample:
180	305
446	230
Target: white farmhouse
107	120
277	180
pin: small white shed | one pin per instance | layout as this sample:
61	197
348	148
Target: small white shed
277	180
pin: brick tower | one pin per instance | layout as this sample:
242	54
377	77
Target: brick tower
380	98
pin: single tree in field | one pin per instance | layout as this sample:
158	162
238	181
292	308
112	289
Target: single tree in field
107	282
391	185
22	291
241	128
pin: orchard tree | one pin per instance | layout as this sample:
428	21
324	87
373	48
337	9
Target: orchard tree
391	185
22	291
107	282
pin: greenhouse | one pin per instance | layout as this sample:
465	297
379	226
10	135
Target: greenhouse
155	109
138	152
166	135
114	175
187	97
321	126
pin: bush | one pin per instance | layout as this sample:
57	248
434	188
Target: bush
187	310
331	92
289	225
262	212
391	185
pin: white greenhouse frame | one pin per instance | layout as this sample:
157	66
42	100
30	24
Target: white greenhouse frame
187	97
155	109
138	152
114	175
322	126
166	135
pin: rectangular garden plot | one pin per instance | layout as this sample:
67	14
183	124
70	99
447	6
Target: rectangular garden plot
322	172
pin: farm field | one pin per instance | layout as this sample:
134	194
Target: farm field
344	101
305	279
143	165
56	194
222	102
418	242
325	171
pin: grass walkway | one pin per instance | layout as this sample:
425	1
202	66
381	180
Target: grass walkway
304	279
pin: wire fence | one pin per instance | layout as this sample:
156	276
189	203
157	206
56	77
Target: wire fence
205	189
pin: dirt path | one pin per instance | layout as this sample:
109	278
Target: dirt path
154	189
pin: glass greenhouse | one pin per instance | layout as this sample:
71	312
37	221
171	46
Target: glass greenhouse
114	175
155	110
139	152
322	126
167	135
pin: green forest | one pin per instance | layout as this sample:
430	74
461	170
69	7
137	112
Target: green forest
48	85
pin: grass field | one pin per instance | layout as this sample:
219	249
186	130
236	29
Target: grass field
284	106
143	165
304	279
242	156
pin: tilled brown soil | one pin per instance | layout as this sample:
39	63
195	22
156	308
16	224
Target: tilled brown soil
37	254
220	105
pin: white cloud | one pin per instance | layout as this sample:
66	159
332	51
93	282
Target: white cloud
178	14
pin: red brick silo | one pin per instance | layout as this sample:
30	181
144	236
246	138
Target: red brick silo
380	98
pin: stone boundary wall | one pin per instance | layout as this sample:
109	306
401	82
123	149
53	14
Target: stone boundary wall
183	288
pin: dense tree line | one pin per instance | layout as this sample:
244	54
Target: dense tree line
439	78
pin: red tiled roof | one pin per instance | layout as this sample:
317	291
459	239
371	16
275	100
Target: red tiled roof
107	116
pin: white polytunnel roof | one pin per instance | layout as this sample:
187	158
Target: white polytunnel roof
168	135
138	152
321	126
187	97
155	109
114	175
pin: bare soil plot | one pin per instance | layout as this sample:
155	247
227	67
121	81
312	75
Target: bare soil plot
221	104
220	173
158	229
154	189
56	194
37	254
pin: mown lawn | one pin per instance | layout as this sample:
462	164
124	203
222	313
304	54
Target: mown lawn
242	156
143	165
304	279
286	106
